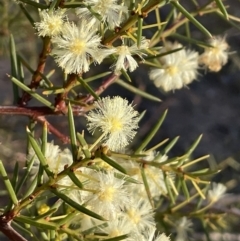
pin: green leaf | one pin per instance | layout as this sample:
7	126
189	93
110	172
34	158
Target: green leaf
189	40
75	179
193	20
42	224
15	176
14	68
54	4
170	145
74	4
204	172
44	138
25	175
46	214
34	4
31	188
151	134
75	205
67	218
125	74
20	70
222	8
163	54
52	235
142	115
113	163
28	16
8	184
45	78
22	229
184	188
88	88
39	154
53	90
139	31
98	76
193	146
84	145
126	178
72	133
25	64
31	92
198	189
169	190
122	237
137	91
145	183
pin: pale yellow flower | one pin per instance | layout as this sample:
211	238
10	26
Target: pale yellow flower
111	12
116	119
216	56
51	23
77	47
124	55
178	69
217	192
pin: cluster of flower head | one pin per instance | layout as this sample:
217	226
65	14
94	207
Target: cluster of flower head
123	200
77	45
120	199
180	67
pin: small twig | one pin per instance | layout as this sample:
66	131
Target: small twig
105	84
51	129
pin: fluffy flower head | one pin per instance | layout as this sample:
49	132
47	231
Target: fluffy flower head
183	225
76	46
218	190
111	12
109	197
139	215
150	235
216	56
116	119
51	23
125	55
56	159
178	68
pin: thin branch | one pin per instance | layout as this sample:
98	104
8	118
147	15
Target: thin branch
105	84
36	78
36	111
39	114
7	229
51	129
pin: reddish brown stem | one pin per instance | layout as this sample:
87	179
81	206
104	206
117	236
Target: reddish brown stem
60	103
36	111
38	114
7	229
51	129
36	78
89	98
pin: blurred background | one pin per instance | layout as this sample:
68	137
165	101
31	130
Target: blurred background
209	106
